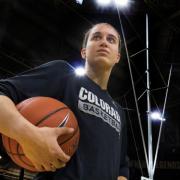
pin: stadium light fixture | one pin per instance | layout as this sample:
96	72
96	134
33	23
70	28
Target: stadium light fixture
118	3
157	116
104	2
79	1
80	71
121	3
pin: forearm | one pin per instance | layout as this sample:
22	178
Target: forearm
13	124
122	178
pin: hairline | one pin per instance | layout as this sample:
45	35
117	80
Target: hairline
86	36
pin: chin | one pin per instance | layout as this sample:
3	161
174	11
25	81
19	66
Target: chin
104	63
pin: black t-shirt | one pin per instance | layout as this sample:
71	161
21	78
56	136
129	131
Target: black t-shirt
101	153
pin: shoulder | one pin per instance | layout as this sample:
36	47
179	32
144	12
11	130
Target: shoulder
58	64
56	67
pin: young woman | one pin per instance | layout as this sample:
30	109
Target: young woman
101	154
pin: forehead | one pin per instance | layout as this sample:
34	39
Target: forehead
104	29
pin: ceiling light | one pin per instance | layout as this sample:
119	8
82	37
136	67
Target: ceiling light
104	2
121	3
79	1
80	71
156	116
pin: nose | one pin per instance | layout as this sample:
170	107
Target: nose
104	42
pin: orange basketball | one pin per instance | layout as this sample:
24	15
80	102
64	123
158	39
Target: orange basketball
44	111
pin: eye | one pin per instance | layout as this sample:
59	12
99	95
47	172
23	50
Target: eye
112	40
96	37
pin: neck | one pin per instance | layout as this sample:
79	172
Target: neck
100	77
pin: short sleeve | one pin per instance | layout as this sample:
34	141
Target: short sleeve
45	80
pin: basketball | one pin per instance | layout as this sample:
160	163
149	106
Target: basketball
49	112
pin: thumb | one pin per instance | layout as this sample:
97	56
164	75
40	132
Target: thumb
64	130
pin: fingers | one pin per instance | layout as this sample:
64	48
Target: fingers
53	157
58	164
61	155
39	167
50	166
53	167
64	131
61	132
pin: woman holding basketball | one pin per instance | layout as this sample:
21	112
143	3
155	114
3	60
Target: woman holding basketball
102	148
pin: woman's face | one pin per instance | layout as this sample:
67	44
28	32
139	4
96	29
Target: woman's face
102	49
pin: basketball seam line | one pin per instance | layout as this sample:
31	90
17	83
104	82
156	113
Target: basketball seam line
47	116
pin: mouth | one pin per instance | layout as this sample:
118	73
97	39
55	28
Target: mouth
103	51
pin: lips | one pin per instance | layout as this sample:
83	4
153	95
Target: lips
104	51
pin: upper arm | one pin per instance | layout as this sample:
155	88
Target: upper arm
44	80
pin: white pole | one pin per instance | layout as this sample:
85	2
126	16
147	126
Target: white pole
150	150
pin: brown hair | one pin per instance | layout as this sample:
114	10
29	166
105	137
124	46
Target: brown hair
86	36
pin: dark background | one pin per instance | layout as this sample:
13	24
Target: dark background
36	31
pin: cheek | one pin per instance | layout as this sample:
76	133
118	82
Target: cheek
115	52
89	50
115	55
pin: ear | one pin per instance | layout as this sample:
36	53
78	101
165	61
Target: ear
118	57
83	53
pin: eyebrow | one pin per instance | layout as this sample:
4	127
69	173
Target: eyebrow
111	35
